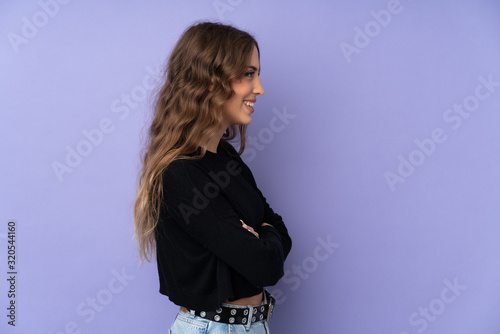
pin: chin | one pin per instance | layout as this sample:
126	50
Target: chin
247	121
243	121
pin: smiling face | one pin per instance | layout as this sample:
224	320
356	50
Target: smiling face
239	108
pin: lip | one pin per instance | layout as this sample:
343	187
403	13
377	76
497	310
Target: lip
248	107
251	109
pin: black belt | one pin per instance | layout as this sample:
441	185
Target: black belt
241	316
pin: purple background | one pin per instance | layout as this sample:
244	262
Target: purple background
352	117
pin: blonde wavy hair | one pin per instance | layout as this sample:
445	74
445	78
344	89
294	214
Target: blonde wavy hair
187	113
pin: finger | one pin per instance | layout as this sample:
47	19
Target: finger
249	228
246	226
253	231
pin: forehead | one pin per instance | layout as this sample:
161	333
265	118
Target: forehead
254	59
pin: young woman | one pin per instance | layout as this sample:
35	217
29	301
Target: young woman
217	241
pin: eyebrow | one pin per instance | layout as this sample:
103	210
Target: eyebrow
254	68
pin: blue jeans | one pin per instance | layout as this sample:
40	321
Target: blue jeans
187	323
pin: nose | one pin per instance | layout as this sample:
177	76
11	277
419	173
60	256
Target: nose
257	88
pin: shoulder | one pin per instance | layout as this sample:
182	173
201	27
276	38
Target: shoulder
181	169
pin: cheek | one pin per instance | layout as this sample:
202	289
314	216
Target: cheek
233	108
235	104
242	90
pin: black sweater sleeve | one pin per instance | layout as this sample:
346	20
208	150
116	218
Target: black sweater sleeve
212	222
270	216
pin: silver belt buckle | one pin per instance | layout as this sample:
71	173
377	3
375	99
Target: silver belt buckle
271	306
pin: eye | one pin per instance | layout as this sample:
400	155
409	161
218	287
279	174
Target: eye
249	74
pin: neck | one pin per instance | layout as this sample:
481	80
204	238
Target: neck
214	141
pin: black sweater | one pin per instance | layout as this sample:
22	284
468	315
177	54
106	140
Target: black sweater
204	255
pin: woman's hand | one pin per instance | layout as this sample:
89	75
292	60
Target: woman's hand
249	228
